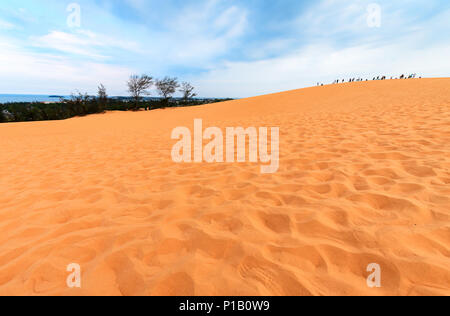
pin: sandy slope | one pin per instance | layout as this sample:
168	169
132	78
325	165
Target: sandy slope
364	178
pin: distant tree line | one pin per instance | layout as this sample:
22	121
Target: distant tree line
80	104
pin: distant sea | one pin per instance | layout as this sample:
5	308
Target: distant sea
5	98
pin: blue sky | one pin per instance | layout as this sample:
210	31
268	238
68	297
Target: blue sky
226	48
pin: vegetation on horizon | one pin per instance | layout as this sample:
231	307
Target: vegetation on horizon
82	104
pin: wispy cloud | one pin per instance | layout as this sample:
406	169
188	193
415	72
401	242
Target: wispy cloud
4	25
23	71
200	33
82	42
68	43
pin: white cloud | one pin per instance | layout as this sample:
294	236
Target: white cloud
82	42
198	34
232	21
25	72
5	25
137	4
68	43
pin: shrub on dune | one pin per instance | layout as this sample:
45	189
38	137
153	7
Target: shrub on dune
2	115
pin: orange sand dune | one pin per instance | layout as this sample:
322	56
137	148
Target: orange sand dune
364	178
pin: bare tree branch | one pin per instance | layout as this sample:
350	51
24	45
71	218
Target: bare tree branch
102	92
187	89
167	87
139	85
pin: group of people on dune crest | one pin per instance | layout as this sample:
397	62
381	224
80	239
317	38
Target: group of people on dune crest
411	76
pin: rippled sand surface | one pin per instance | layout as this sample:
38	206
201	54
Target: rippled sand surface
364	178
